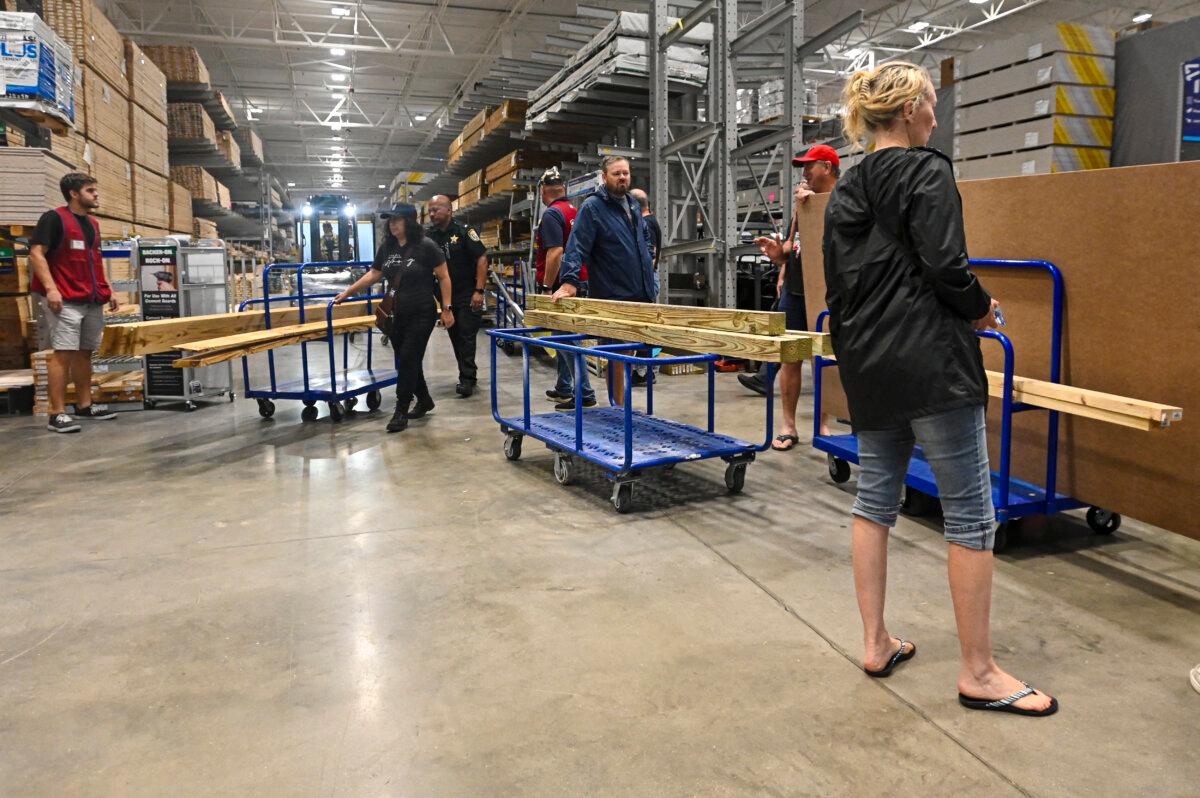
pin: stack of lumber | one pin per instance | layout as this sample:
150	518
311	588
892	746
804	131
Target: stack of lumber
180	200
106	113
107	386
147	83
500	175
471	189
188	124
1122	410
243	287
16	331
470	137
225	336
114	229
152	204
115	176
179	64
204	229
1037	103
14	271
755	335
229	147
94	40
250	145
29	184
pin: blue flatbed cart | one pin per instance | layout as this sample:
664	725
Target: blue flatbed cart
340	387
624	443
1013	498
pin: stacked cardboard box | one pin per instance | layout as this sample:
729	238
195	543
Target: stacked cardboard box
1036	103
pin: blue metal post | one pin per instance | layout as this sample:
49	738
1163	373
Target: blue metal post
628	367
712	407
579	368
525	373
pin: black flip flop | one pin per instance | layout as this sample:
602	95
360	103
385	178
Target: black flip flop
781	438
897	658
1007	704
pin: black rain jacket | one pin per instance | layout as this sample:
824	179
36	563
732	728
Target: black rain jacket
900	295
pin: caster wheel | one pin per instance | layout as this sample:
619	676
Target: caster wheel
735	477
309	403
622	497
232	396
348	405
564	469
374	400
149	404
189	406
839	469
512	447
917	503
1103	522
335	412
266	408
1003	537
309	413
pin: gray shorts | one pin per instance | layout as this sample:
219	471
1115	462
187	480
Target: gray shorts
77	327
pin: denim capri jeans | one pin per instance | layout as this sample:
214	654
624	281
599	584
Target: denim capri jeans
955	444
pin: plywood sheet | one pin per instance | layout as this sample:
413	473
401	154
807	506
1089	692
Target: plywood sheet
1126	242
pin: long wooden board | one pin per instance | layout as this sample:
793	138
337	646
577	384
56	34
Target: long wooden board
149	337
285	333
1159	415
771	348
996	389
743	321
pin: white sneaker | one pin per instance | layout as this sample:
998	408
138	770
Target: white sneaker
1196	678
61	422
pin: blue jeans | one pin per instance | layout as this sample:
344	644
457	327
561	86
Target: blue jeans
566	376
955	444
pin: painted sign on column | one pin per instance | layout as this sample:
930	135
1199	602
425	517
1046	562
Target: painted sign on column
1191	100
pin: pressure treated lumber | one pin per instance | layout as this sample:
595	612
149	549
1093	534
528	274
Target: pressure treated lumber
1068	399
149	337
742	321
770	348
1160	414
284	333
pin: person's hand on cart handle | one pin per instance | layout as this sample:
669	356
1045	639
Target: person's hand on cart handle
988	322
565	291
447	318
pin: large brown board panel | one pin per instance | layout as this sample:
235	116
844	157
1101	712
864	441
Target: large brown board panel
1126	241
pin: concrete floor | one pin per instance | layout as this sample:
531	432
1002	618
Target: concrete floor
213	604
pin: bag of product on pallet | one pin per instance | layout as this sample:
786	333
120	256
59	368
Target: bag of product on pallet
37	73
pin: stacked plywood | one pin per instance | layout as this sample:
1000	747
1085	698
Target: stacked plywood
151	203
29	184
93	39
1034	104
107	113
147	84
204	229
179	64
189	123
181	208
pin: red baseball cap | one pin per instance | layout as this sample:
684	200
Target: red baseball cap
818	152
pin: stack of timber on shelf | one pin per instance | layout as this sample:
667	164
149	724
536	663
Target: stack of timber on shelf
471	189
486	126
180	200
251	147
620	49
243	287
504	233
107	386
204	229
210	197
470	137
225	336
500	174
755	335
1035	104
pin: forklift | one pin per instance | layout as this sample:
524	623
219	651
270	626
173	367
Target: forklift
331	232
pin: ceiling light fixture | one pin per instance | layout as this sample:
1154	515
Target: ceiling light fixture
381	185
337	50
979	2
917	27
340	11
420	117
1141	16
338	77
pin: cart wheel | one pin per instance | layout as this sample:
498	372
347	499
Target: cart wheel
374	400
512	447
735	477
917	503
266	408
309	413
349	404
564	469
149	404
310	403
232	396
335	412
622	496
839	469
1003	531
1103	522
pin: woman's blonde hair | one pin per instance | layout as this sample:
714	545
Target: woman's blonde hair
875	97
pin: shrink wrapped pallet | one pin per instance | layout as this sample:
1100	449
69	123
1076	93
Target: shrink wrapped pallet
189	122
151	205
30	78
107	113
148	142
179	64
147	84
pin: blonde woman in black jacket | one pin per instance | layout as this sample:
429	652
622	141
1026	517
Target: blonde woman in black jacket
904	308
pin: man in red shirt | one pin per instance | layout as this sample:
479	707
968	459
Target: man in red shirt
68	271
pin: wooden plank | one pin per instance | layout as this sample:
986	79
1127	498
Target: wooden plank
996	389
1160	414
274	334
149	337
742	321
771	348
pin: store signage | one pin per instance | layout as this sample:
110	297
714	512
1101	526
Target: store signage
1191	100
157	269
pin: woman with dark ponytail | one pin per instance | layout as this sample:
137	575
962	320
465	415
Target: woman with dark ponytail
415	270
903	311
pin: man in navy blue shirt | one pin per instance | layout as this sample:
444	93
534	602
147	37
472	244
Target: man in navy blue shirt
611	237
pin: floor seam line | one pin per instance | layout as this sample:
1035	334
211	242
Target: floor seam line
879	682
33	468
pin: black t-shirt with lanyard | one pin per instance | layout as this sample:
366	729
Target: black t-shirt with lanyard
408	271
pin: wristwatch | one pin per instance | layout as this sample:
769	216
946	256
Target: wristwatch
479	290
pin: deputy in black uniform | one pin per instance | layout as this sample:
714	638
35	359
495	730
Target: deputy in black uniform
467	259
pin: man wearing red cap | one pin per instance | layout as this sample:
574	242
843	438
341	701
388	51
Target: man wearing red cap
822	168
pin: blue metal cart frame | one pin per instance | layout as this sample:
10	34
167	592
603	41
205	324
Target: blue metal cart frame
621	441
1013	498
341	395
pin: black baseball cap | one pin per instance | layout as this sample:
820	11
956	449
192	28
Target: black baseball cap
403	210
